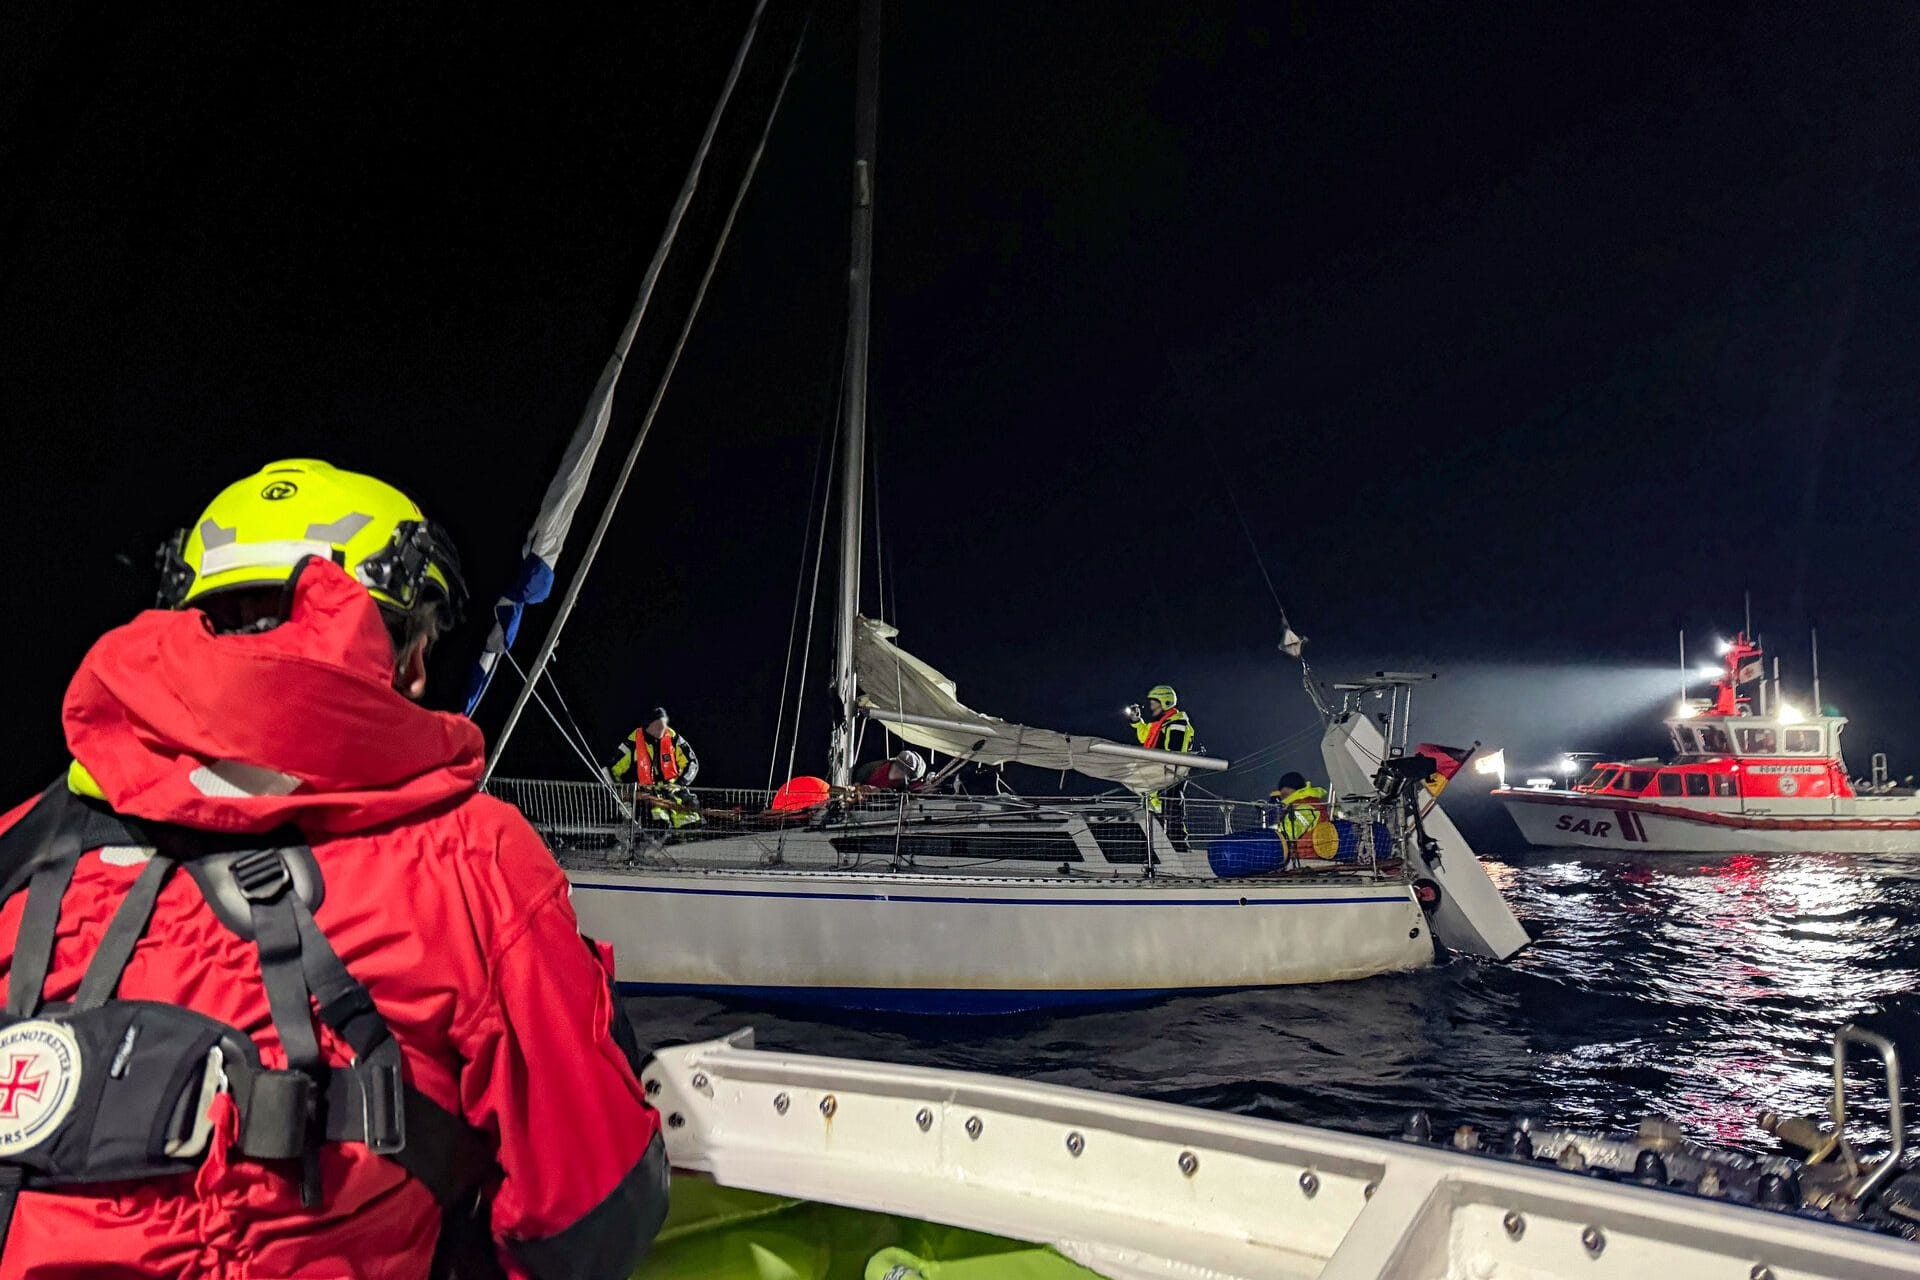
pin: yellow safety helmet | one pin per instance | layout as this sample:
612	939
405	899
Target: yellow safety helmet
1164	695
258	529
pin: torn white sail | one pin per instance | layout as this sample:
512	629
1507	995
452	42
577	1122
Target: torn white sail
921	705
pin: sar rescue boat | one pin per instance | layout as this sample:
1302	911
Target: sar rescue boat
1745	777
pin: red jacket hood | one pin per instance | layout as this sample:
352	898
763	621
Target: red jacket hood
178	724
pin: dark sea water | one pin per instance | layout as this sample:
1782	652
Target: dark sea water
1702	989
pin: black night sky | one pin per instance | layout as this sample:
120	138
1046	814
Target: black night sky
1523	335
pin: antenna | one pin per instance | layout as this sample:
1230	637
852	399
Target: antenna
1749	596
1819	707
1683	668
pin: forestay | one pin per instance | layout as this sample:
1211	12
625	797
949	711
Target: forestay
922	706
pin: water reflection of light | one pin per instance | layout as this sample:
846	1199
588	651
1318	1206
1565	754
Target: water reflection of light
1751	961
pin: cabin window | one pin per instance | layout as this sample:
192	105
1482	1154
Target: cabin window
1803	741
1683	740
1697	784
1670	784
1713	740
1596	779
1757	742
1634	780
1723	784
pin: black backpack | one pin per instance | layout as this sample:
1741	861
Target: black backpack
104	1090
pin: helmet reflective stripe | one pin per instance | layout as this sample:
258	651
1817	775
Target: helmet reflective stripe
1164	695
261	555
342	530
258	529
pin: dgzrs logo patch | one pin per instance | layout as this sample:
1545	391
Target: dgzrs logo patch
39	1080
279	490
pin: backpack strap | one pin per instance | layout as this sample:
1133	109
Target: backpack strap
266	895
124	931
33	945
369	1102
40	852
449	1156
12	1180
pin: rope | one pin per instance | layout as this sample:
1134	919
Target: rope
572	596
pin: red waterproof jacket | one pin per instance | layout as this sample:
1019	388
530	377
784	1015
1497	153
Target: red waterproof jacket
443	902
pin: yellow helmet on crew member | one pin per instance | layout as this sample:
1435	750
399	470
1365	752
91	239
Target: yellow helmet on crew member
1164	695
257	530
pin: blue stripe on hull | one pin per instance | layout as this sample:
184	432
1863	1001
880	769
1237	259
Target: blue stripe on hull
915	1000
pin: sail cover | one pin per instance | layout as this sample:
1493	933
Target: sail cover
894	682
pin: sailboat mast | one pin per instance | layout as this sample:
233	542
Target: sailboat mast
853	427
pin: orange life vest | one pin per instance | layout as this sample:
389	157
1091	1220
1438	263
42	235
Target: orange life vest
1154	730
645	754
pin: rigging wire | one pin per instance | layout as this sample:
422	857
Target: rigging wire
823	450
879	532
565	490
880	571
1265	756
806	652
580	734
1253	545
593	767
572	596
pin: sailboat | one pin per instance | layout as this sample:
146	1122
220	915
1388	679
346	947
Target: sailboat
938	901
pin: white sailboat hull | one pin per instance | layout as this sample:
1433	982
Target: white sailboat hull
1576	820
938	943
1134	1189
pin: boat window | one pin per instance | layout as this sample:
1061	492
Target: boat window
1723	784
1670	783
1713	739
1039	846
1757	742
1803	741
1120	841
1697	784
1683	740
1634	780
1594	781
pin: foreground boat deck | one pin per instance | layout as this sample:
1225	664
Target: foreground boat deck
1132	1189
